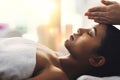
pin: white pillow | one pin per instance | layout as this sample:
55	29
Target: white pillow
88	77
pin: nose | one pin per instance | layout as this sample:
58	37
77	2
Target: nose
81	30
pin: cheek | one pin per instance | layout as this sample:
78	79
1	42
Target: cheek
82	42
83	39
85	44
81	53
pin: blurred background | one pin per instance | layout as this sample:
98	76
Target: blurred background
49	22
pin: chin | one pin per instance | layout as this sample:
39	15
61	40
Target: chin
67	44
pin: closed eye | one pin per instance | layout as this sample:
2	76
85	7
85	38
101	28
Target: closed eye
91	32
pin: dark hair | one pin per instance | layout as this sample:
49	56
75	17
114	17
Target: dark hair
110	49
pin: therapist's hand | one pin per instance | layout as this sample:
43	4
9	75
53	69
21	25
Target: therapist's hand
107	14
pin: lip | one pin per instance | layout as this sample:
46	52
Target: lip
72	37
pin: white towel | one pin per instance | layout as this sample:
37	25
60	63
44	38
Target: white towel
88	77
17	58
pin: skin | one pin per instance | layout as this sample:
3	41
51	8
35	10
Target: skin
81	46
107	14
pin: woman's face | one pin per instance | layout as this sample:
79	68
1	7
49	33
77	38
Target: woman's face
83	43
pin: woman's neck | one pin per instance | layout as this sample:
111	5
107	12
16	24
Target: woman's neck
70	66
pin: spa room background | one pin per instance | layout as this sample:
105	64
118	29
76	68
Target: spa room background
49	22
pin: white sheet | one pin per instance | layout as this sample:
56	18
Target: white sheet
88	77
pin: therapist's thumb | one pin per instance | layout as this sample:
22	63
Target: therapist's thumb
106	2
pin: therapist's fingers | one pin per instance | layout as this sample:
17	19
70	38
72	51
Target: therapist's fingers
107	2
96	14
102	20
99	18
98	9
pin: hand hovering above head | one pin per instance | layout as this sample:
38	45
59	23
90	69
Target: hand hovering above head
109	13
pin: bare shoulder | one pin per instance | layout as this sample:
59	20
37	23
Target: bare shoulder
46	60
58	73
48	66
51	73
47	56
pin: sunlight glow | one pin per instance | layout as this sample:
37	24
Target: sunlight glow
28	10
51	30
47	7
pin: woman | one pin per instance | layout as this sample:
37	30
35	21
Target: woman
93	51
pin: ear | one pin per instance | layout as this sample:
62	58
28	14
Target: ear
97	61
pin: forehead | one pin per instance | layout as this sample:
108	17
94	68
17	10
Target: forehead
100	30
100	27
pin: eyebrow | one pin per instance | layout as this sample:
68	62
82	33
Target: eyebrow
95	30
